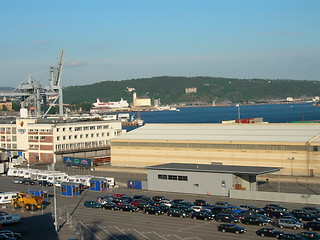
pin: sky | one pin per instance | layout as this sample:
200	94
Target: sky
107	40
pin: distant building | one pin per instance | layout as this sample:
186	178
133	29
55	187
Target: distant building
38	139
191	90
289	99
141	102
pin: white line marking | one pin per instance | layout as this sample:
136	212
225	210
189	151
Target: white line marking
89	230
107	232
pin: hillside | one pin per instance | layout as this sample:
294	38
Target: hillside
171	90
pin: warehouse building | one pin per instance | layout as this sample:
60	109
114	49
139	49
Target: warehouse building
204	178
294	147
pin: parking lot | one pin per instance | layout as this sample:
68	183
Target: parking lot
76	221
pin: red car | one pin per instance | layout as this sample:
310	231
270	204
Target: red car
136	202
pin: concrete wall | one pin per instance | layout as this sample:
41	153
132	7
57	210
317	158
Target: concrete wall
276	197
198	183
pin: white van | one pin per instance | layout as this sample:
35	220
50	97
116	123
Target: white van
61	177
6	197
13	172
110	182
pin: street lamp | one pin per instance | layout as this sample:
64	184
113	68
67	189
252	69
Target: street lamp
238	106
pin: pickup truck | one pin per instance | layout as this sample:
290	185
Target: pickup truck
8	219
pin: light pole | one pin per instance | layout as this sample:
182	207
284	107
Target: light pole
238	106
54	194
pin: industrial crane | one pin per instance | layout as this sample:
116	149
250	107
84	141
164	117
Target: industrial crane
32	92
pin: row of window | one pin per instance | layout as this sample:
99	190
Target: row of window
81	145
81	136
218	146
83	128
8	138
172	177
9	146
31	130
8	130
42	138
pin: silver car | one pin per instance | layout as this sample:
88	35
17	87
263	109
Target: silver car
288	223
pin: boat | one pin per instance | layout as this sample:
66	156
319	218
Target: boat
101	107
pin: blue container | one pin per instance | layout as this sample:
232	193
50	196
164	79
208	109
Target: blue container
39	193
98	184
135	184
70	189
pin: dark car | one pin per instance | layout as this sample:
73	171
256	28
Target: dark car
202	215
310	235
11	234
291	236
177	201
177	213
312	226
311	209
44	183
153	210
162	206
2	213
29	182
224	204
259	211
279	214
200	202
220	209
253	220
136	202
128	208
225	217
274	207
143	205
127	199
110	205
228	227
305	216
92	204
269	232
157	198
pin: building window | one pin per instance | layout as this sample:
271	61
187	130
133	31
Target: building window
58	138
173	177
161	176
183	178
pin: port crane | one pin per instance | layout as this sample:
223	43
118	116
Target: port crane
33	93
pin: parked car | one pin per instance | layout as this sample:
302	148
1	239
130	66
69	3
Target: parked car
3	213
29	182
312	226
92	204
288	223
276	206
245	206
202	215
18	180
291	236
311	209
219	203
128	208
143	205
253	220
310	235
305	216
279	214
264	217
200	202
153	210
157	198
45	183
110	205
136	202
8	219
228	227
166	202
5	237
177	213
11	234
269	232
225	217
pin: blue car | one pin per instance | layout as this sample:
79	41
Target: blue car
92	204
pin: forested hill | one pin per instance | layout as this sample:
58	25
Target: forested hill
171	90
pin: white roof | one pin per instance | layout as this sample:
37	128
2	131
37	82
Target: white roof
268	132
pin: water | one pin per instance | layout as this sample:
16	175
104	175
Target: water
273	113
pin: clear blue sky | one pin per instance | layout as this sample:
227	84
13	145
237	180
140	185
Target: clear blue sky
127	39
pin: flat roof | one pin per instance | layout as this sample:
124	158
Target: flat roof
213	168
264	132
